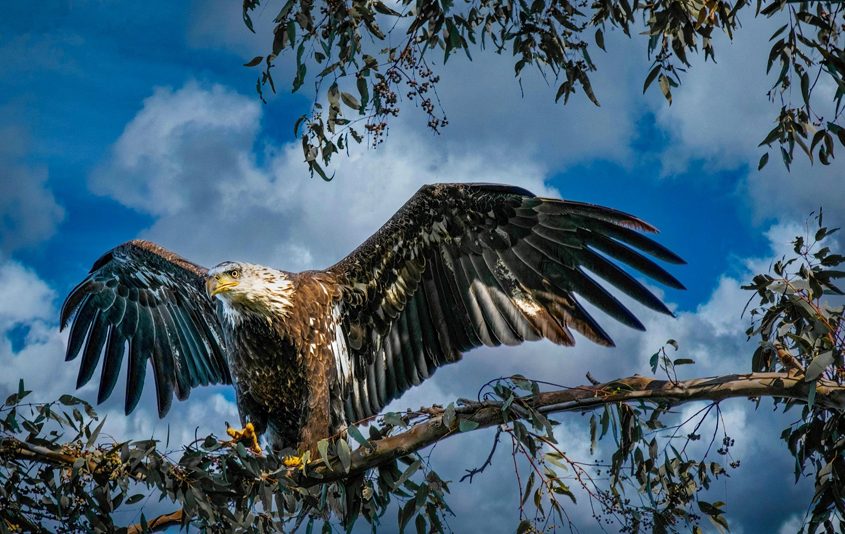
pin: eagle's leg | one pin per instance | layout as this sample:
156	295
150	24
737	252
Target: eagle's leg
248	434
294	462
254	420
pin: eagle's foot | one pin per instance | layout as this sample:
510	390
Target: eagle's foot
294	462
245	434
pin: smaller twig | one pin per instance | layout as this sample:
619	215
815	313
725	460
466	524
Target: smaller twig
477	470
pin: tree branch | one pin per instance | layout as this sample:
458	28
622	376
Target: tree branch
159	523
782	385
486	414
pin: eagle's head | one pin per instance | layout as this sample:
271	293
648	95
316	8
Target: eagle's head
246	288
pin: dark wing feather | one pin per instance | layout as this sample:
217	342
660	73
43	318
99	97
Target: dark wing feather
143	300
464	265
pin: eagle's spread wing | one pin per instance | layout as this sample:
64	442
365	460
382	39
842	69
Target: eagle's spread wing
464	265
142	299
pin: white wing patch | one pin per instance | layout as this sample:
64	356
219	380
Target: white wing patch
340	350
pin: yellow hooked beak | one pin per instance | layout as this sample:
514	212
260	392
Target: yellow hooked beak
219	283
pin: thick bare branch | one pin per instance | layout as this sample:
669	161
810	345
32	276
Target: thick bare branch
782	385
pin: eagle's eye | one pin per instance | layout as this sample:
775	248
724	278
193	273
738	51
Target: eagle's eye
234	273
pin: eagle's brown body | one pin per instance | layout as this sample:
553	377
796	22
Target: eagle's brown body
459	266
292	354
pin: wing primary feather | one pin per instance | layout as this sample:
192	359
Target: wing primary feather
439	322
603	300
75	301
373	391
418	323
634	259
406	349
115	347
622	280
81	327
584	323
93	347
135	374
164	371
392	367
587	258
176	355
196	356
139	345
380	375
635	239
567	279
594	212
459	329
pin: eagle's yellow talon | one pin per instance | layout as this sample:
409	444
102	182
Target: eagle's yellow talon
246	434
292	462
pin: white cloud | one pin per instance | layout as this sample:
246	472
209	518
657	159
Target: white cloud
188	159
25	298
177	145
29	212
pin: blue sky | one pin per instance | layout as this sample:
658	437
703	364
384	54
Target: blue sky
123	120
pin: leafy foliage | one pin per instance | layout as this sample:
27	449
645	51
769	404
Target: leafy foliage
799	319
373	54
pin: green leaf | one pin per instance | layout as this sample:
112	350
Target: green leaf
600	39
92	439
449	415
393	419
254	61
380	7
651	76
358	436
406	513
334	94
344	454
818	366
69	400
409	472
763	160
683	361
528	486
323	449
466	425
663	80
350	101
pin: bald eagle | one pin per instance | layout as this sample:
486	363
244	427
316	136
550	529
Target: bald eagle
457	267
